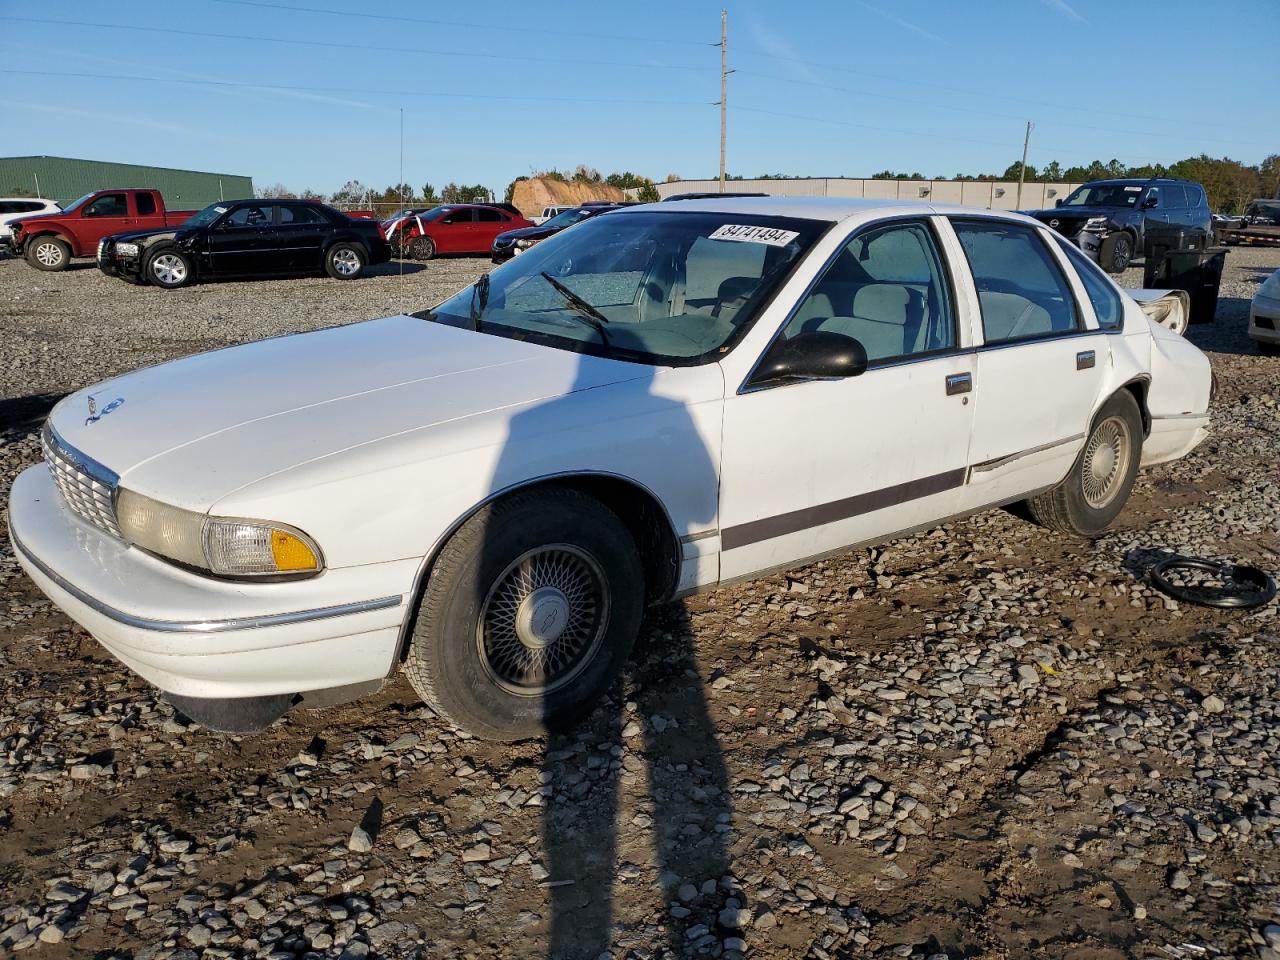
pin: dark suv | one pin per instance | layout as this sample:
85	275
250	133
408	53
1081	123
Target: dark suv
1115	221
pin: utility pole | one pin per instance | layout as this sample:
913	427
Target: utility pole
724	87
1022	170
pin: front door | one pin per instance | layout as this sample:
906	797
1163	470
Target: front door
242	242
455	232
110	214
1039	370
814	466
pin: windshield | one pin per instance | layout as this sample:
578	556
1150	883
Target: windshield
76	204
1104	195
568	218
660	288
207	215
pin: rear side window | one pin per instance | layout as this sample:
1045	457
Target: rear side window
1107	305
9	207
297	215
1021	290
1195	195
1174	195
489	216
146	204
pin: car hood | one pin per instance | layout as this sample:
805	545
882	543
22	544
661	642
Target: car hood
527	233
1075	213
193	430
37	218
135	235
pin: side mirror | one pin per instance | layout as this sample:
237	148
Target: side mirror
1150	202
819	354
1058	202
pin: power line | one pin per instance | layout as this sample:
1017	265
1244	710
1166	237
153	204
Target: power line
335	45
444	94
295	8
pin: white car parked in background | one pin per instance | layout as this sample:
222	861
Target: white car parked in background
1264	316
15	208
654	402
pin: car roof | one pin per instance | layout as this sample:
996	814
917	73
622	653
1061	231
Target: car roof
820	208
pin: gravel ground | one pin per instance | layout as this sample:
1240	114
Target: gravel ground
984	741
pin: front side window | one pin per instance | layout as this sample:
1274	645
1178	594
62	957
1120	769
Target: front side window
251	216
1107	305
658	288
108	205
466	215
146	204
1021	290
888	291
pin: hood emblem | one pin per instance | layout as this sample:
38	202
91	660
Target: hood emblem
95	416
1053	223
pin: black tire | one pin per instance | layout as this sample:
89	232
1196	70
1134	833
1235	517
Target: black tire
1269	349
345	261
1116	252
460	657
1076	506
169	268
422	248
48	253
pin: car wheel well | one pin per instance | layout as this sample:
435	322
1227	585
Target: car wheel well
637	507
1139	389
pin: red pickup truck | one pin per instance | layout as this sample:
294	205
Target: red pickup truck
50	241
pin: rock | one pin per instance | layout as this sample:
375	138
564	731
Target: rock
360	841
477	853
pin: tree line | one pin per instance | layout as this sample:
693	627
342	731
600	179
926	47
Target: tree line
355	193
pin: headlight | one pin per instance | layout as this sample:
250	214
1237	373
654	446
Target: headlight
1095	223
524	243
225	546
127	249
1271	287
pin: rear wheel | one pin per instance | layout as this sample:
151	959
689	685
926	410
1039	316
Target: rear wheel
344	261
422	248
1095	491
528	615
48	253
1116	253
169	268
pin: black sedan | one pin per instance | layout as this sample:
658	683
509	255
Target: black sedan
509	244
247	238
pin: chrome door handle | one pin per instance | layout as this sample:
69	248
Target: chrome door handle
1086	359
959	383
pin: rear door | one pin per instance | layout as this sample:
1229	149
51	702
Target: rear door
1038	369
301	231
1174	200
489	223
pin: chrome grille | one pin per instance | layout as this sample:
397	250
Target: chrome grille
87	486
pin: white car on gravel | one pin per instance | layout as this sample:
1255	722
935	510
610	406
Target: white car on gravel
665	398
1264	316
15	208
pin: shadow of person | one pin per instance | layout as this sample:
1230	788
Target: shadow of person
561	615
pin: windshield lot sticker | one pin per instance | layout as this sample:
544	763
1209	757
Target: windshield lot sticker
747	234
1133	189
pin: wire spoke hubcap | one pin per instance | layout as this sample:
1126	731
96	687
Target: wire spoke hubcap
168	268
1106	462
544	620
346	262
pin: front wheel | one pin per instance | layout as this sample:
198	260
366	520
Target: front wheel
1116	253
422	248
169	269
344	261
1269	349
528	615
1095	491
48	253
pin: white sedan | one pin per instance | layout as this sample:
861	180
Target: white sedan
1264	316
656	401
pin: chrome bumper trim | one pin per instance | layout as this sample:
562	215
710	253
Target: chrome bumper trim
202	626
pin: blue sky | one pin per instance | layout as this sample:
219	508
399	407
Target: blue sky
493	91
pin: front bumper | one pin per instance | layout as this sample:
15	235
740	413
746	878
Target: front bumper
1264	320
201	637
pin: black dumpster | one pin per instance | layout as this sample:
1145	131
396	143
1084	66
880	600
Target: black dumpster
1199	272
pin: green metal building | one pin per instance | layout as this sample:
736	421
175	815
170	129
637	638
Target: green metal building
63	179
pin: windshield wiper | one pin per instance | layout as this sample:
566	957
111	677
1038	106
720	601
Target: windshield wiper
479	292
581	310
